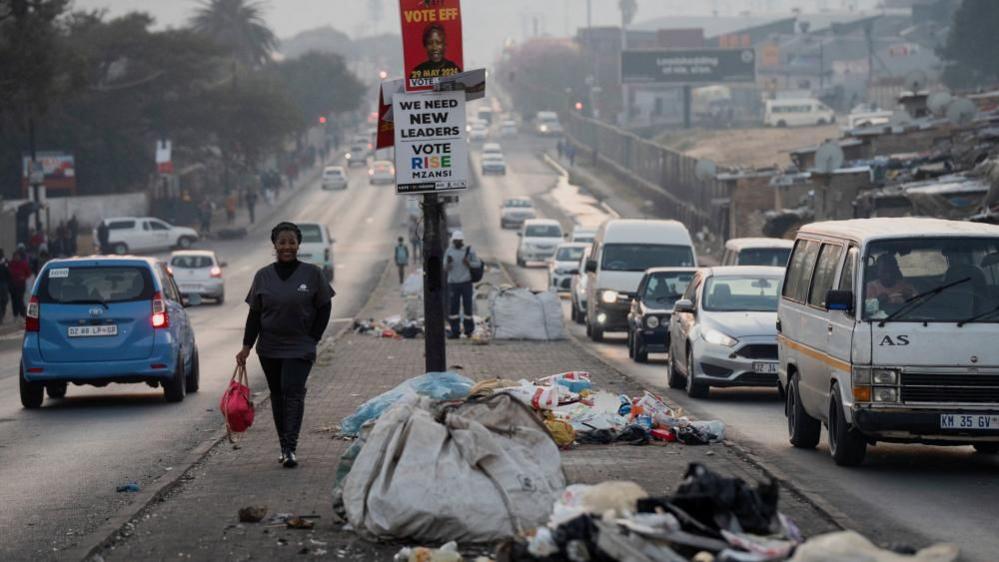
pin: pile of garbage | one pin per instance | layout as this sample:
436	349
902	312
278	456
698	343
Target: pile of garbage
394	327
710	518
436	386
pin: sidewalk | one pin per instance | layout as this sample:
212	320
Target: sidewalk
197	518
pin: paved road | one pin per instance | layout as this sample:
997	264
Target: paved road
902	494
59	465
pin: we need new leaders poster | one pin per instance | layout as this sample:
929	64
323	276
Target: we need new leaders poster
431	41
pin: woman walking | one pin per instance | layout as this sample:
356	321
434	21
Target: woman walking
290	305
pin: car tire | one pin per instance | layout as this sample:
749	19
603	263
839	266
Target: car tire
120	248
803	430
640	354
694	389
521	262
820	122
573	314
987	448
581	316
221	300
596	334
631	346
32	393
173	388
673	377
194	377
185	242
781	124
589	329
56	389
847	445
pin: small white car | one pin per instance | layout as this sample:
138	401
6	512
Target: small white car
493	164
585	235
357	155
478	133
145	234
538	240
335	177
381	172
564	265
509	129
757	251
492	148
577	290
199	272
317	247
515	211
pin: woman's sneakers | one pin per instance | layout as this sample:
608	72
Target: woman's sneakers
288	459
282	458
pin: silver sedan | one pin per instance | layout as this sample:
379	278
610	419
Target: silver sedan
724	331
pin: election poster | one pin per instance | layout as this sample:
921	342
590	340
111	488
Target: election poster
431	155
386	131
431	42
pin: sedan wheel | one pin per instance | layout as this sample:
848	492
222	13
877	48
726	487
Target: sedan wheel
673	377
694	388
640	354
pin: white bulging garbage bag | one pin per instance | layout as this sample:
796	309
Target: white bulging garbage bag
488	472
521	314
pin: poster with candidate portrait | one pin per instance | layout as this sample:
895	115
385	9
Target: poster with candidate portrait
431	41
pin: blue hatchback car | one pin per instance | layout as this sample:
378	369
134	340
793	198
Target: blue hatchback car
101	320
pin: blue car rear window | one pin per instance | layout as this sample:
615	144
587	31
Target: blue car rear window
90	285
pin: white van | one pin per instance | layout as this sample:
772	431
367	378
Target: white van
546	124
757	251
622	250
887	331
797	113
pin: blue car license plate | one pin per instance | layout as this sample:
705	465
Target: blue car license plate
93	331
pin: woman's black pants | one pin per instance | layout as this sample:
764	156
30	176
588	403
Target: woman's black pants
286	381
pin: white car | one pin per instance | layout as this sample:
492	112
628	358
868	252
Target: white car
515	211
538	240
145	234
492	148
317	247
357	155
578	289
564	265
546	124
493	164
508	129
757	251
199	272
334	177
381	171
478	133
585	235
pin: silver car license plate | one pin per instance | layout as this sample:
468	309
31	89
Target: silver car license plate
968	421
764	368
93	331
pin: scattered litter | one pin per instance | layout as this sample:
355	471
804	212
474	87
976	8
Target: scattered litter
849	545
300	523
561	431
446	553
437	386
252	514
130	487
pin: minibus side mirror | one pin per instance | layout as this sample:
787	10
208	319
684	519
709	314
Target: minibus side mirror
683	306
839	300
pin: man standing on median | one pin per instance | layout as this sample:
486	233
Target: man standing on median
458	263
401	259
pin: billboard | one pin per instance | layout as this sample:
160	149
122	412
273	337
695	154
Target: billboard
688	66
431	42
59	169
431	155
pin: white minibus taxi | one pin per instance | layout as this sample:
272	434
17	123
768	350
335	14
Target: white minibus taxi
797	113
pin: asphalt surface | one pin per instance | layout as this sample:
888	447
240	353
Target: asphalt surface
903	494
60	465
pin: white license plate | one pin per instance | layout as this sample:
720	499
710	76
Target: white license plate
968	421
190	288
764	368
93	331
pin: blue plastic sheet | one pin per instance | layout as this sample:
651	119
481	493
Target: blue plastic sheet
438	386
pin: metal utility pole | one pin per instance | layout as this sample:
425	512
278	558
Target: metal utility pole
434	287
36	188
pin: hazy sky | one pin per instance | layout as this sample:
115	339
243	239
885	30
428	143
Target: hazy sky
489	21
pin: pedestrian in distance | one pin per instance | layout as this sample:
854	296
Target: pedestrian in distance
401	258
4	285
74	234
560	147
205	215
416	238
20	272
290	306
458	263
103	237
251	204
231	202
570	151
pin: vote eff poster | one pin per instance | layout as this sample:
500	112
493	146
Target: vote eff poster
431	42
431	155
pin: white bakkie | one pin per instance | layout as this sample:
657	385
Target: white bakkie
888	333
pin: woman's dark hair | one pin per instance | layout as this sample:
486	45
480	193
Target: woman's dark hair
285	227
432	28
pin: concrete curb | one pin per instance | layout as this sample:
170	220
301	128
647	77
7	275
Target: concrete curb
109	532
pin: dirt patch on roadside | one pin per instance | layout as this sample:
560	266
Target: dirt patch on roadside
757	147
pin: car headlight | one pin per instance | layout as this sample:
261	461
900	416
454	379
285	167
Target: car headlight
652	322
715	337
884	376
348	156
886	395
609	297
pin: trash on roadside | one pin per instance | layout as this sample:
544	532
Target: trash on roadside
489	386
446	553
521	314
562	432
496	472
413	284
438	386
850	545
252	513
130	487
575	381
300	523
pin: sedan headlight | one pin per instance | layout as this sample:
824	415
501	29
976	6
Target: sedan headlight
609	297
348	156
652	322
715	337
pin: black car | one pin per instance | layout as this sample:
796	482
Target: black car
648	319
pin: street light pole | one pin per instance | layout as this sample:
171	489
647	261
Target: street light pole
36	187
434	287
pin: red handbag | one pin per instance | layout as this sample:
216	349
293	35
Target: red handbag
236	406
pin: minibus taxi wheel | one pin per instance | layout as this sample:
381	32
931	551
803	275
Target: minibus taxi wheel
803	429
847	445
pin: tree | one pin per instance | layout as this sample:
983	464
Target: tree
239	26
319	84
629	9
545	74
971	45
